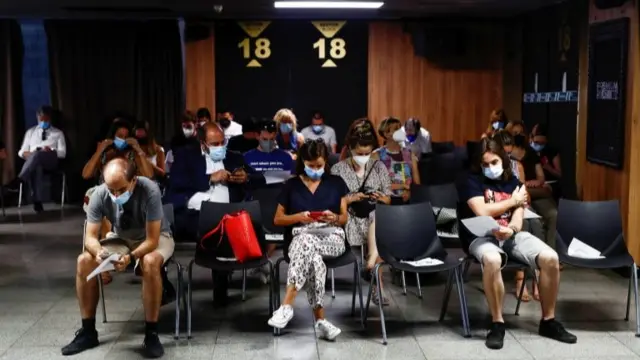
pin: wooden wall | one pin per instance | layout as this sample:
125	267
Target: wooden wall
453	104
597	182
200	74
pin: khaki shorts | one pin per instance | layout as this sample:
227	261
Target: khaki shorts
524	247
165	247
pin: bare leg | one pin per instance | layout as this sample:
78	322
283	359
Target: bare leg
87	291
152	285
373	257
493	285
534	285
290	295
318	313
519	280
549	282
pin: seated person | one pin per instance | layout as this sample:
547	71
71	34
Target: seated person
418	138
541	193
154	152
314	190
228	125
207	173
118	143
267	156
203	116
368	182
549	157
492	190
497	121
288	138
42	147
134	205
248	140
401	163
319	130
515	127
345	152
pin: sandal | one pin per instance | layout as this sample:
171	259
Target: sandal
376	300
525	294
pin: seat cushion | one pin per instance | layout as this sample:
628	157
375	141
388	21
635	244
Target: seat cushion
449	263
226	265
606	263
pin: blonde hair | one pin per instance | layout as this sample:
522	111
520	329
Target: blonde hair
286	114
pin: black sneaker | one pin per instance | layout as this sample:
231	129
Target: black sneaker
554	330
37	206
151	347
84	340
495	337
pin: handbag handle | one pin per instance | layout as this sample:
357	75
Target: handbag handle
219	227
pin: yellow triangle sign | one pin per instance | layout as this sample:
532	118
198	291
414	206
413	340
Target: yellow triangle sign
329	64
254	63
254	28
328	28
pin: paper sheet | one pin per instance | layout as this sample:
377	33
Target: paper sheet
423	262
276	177
481	225
581	250
104	266
528	214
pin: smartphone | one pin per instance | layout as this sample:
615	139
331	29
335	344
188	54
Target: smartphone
316	215
236	170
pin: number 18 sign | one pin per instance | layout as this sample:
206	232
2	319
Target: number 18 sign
329	47
255	48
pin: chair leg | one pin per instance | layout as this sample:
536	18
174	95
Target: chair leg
524	283
369	292
4	212
359	285
244	284
276	284
376	274
20	196
333	284
634	275
178	292
418	285
464	310
404	284
64	189
270	288
447	293
189	297
465	271
626	317
104	306
353	295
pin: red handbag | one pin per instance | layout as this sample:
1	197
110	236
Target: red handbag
242	237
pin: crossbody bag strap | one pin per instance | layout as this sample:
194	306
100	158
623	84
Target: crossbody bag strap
366	177
210	233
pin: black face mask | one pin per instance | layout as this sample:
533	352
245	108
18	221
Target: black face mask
224	122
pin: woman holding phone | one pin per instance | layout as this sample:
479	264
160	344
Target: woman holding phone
314	207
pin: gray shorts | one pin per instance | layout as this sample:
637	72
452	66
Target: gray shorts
524	247
165	245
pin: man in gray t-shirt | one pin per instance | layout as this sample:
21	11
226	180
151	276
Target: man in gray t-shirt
141	235
318	129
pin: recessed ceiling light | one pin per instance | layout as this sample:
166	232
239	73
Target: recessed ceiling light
328	4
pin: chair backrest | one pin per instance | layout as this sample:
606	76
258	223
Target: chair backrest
443	196
406	232
442	147
267	197
461	153
443	169
419	194
595	223
463	211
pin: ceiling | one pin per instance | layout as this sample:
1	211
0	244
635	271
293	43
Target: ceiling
258	8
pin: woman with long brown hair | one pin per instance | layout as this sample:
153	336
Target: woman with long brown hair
154	152
497	121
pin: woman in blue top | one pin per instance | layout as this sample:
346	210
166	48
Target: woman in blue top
288	138
313	205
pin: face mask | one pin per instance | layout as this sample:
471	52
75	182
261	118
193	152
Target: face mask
286	128
537	147
119	143
411	138
267	145
496	125
493	172
203	122
399	136
317	129
313	174
188	132
225	123
121	199
361	160
217	153
44	125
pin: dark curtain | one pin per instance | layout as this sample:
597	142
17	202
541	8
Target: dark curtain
100	68
11	55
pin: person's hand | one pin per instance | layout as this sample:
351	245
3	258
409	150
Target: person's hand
294	156
406	195
101	255
534	183
519	195
26	154
503	233
219	176
105	144
122	263
329	217
355	197
133	143
46	148
304	218
544	161
380	197
239	177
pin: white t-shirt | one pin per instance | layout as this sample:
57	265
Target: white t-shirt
232	130
422	144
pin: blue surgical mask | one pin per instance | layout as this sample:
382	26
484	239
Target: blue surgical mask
496	125
493	172
286	128
44	125
121	199
313	174
411	138
217	153
119	143
536	147
317	129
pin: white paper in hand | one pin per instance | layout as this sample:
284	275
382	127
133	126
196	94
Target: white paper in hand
581	250
481	225
104	266
528	214
276	177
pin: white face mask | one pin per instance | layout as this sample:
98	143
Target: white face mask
399	136
187	132
361	160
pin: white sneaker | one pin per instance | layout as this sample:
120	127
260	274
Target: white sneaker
327	330
281	317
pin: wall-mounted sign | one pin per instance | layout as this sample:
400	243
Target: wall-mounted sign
254	48
550	97
328	47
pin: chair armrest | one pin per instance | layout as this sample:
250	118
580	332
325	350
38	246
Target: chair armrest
617	247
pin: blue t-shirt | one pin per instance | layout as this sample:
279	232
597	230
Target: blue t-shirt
277	160
296	197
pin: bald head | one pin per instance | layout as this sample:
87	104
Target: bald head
117	175
213	134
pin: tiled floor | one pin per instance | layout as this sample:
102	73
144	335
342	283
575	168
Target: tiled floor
39	313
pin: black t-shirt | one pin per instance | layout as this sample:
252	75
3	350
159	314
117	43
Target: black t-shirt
529	162
493	191
295	197
241	144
